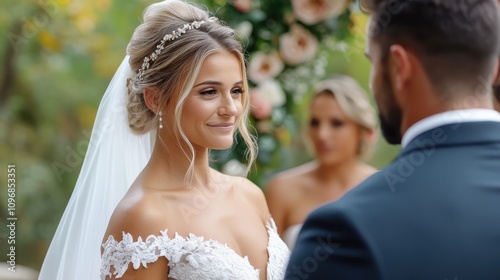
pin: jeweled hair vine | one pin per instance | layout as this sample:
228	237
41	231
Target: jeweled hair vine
148	60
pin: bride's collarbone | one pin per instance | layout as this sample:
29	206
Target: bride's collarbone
245	235
224	225
201	203
222	214
227	219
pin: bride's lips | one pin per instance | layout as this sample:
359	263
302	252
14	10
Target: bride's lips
224	127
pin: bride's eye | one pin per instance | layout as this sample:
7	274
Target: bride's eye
237	91
208	92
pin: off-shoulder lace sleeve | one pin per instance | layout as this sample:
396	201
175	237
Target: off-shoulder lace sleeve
118	255
191	257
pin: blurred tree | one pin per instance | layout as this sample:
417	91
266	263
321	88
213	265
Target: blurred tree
57	57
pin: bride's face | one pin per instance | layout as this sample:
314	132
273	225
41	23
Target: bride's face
210	112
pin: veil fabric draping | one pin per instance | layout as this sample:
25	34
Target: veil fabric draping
114	158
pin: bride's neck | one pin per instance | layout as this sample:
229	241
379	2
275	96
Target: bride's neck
171	164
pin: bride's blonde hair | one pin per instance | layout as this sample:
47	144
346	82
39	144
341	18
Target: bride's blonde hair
174	72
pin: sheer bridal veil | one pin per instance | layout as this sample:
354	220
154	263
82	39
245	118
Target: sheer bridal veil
114	158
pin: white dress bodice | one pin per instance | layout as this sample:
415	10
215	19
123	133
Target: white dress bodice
290	235
192	257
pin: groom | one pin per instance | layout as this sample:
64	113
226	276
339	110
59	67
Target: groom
434	212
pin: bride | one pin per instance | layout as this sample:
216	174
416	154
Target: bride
180	219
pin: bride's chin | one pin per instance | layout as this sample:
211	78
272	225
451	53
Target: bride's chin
222	146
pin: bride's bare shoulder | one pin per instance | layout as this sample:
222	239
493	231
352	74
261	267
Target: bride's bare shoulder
140	214
136	216
252	193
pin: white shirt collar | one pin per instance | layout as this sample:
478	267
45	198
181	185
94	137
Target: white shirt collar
449	117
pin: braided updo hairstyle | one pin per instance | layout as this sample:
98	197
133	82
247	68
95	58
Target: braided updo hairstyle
175	70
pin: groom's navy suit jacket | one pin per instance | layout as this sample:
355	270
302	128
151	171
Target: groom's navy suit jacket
433	213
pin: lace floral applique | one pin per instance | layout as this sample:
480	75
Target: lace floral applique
192	257
279	253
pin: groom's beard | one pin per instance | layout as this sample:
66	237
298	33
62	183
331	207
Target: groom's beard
391	127
390	123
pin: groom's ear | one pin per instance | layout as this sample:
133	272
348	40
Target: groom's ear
152	99
496	79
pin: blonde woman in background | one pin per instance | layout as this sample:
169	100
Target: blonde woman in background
341	128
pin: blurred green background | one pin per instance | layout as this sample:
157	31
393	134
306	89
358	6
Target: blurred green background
57	58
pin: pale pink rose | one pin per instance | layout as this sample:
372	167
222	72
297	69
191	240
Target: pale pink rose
272	92
243	6
259	107
263	66
298	45
313	11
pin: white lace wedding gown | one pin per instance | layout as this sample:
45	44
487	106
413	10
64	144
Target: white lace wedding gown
192	257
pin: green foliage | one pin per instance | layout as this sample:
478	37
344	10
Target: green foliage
57	58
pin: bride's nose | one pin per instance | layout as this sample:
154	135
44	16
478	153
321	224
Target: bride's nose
228	105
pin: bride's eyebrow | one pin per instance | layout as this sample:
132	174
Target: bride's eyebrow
204	83
215	83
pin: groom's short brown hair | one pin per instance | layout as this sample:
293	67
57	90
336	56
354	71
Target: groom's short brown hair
457	41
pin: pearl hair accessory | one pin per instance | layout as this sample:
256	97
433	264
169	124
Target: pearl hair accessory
148	60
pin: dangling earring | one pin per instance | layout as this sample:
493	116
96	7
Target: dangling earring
160	120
